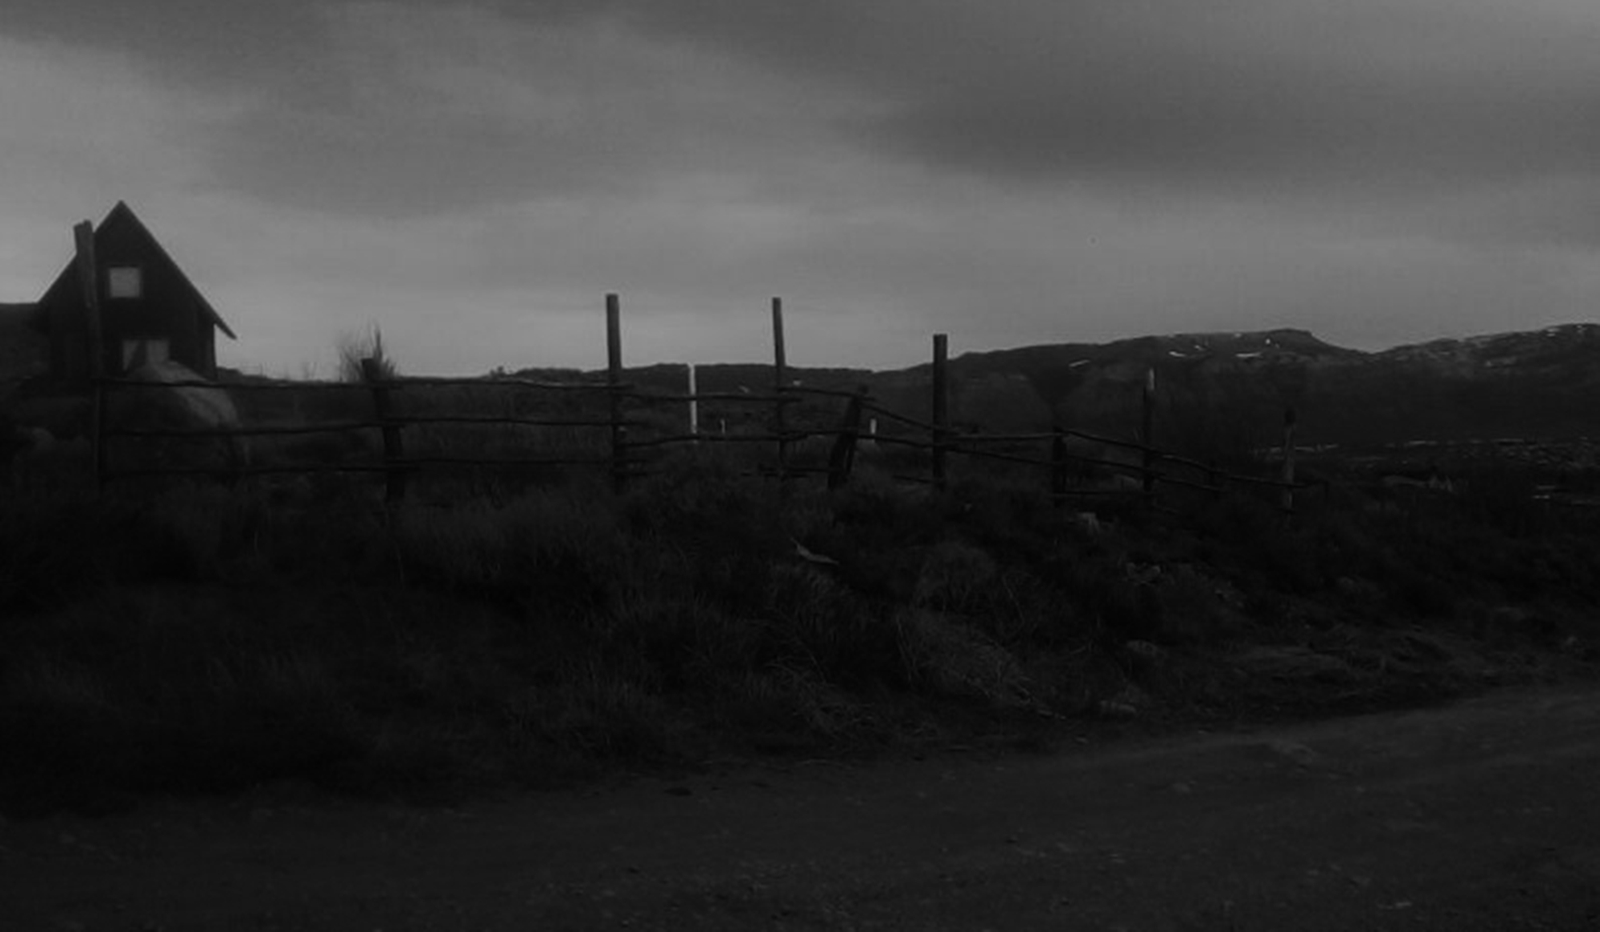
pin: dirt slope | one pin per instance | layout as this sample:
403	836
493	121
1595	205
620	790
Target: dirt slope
1484	815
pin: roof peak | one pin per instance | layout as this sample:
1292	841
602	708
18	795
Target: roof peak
122	213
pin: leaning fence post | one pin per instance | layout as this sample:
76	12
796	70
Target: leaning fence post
394	477
780	380
1147	440
1288	463
619	430
842	458
941	405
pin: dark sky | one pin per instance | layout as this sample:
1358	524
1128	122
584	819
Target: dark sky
474	176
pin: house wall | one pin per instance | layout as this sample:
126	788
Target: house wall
166	309
24	352
68	336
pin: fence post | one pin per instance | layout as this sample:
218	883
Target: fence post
1288	464
1147	438
842	458
394	477
780	380
941	405
89	284
694	408
619	431
1058	461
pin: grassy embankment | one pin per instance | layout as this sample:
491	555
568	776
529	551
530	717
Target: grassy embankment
208	641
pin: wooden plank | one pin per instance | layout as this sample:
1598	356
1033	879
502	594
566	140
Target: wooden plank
410	462
672	398
900	418
1003	457
828	392
414	381
490	419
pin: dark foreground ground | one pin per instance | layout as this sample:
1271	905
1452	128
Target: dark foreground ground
1481	815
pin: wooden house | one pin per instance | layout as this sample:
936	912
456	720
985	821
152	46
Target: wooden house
148	307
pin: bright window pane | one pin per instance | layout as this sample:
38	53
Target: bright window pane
125	282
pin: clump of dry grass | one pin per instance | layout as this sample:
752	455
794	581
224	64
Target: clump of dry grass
210	639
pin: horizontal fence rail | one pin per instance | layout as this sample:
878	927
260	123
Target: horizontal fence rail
616	426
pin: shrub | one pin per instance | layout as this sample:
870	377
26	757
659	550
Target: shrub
353	348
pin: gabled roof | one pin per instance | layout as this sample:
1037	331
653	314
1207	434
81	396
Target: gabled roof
123	215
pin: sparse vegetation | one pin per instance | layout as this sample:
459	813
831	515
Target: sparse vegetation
213	639
352	348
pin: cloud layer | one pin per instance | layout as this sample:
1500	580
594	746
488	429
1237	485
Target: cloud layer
1021	170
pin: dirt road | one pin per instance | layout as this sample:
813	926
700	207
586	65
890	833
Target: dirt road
1484	815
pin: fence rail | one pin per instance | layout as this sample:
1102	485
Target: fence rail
634	437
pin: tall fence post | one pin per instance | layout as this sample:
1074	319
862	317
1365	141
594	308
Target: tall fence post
619	430
780	381
1147	454
842	458
94	348
1288	464
694	408
394	477
941	405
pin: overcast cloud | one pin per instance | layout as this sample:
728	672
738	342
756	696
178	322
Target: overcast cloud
474	176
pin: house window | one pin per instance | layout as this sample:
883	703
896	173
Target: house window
138	352
125	281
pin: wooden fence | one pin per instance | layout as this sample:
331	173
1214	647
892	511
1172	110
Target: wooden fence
628	448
